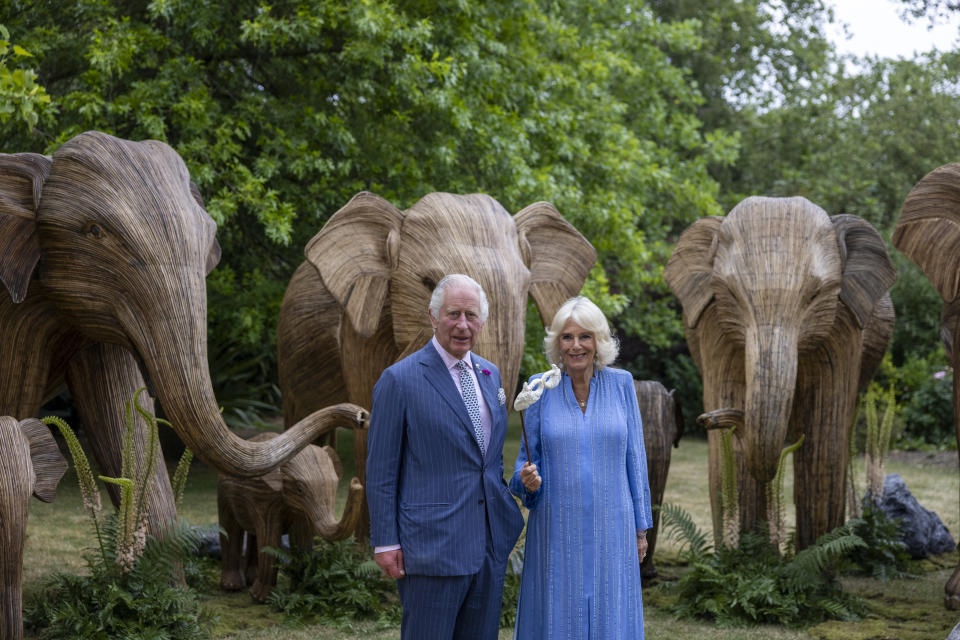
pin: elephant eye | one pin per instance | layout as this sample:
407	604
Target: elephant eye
94	230
429	283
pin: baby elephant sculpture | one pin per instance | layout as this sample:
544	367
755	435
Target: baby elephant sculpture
662	430
297	498
32	464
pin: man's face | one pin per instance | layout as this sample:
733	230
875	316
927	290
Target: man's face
459	322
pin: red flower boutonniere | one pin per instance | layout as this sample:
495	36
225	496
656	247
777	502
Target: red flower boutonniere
485	372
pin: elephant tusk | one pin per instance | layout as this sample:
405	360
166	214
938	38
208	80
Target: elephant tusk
721	419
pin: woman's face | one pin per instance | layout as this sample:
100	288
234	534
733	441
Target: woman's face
577	348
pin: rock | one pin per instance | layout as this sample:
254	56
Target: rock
955	634
922	531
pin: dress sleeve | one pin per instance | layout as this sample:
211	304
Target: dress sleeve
531	419
636	457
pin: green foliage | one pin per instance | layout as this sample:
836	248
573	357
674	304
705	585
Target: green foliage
751	583
883	555
241	378
877	438
283	111
144	602
22	99
335	582
676	523
511	596
924	388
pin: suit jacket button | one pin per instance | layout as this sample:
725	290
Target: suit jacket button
480	501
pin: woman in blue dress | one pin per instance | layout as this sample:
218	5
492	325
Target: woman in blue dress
586	487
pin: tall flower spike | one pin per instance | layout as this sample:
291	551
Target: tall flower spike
532	392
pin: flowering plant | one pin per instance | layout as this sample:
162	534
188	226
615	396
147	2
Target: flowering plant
485	372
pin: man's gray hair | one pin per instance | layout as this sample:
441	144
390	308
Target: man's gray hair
440	291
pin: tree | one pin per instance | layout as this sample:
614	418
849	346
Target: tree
283	111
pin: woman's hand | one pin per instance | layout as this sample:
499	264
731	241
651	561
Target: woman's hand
530	478
641	545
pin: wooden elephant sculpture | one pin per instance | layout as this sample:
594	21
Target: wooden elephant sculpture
787	314
32	464
928	232
104	250
297	498
662	430
359	302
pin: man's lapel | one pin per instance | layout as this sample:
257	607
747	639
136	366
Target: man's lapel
436	373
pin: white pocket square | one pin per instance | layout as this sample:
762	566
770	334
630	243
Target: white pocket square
501	396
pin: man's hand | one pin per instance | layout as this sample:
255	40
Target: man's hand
391	562
642	546
529	477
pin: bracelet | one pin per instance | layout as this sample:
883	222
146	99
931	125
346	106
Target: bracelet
641	535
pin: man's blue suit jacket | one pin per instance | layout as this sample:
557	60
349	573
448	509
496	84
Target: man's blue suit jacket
429	488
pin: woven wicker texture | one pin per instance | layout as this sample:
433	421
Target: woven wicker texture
928	232
31	464
359	302
662	430
123	245
299	498
788	314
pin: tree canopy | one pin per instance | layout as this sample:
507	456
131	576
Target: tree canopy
634	118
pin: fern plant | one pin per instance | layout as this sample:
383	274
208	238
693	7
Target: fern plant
335	582
884	555
751	583
132	590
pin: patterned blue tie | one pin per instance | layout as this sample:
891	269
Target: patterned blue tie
470	399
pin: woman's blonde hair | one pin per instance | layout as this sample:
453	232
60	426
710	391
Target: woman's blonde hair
588	315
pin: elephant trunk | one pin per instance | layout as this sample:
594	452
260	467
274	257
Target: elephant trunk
771	376
176	360
329	528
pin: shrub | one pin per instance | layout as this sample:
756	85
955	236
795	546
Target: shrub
883	555
751	583
335	582
134	589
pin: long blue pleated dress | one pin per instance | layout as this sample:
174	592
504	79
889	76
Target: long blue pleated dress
581	573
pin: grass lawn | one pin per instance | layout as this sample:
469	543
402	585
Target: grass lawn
905	609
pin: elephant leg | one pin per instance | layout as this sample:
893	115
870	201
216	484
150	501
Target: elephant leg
34	344
231	548
823	409
301	535
266	578
103	378
952	588
16	486
251	551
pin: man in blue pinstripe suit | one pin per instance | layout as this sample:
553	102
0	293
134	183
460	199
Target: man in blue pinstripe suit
442	520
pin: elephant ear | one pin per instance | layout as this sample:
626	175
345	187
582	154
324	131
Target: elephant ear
557	255
48	463
21	182
949	320
354	254
690	269
928	230
214	253
868	272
